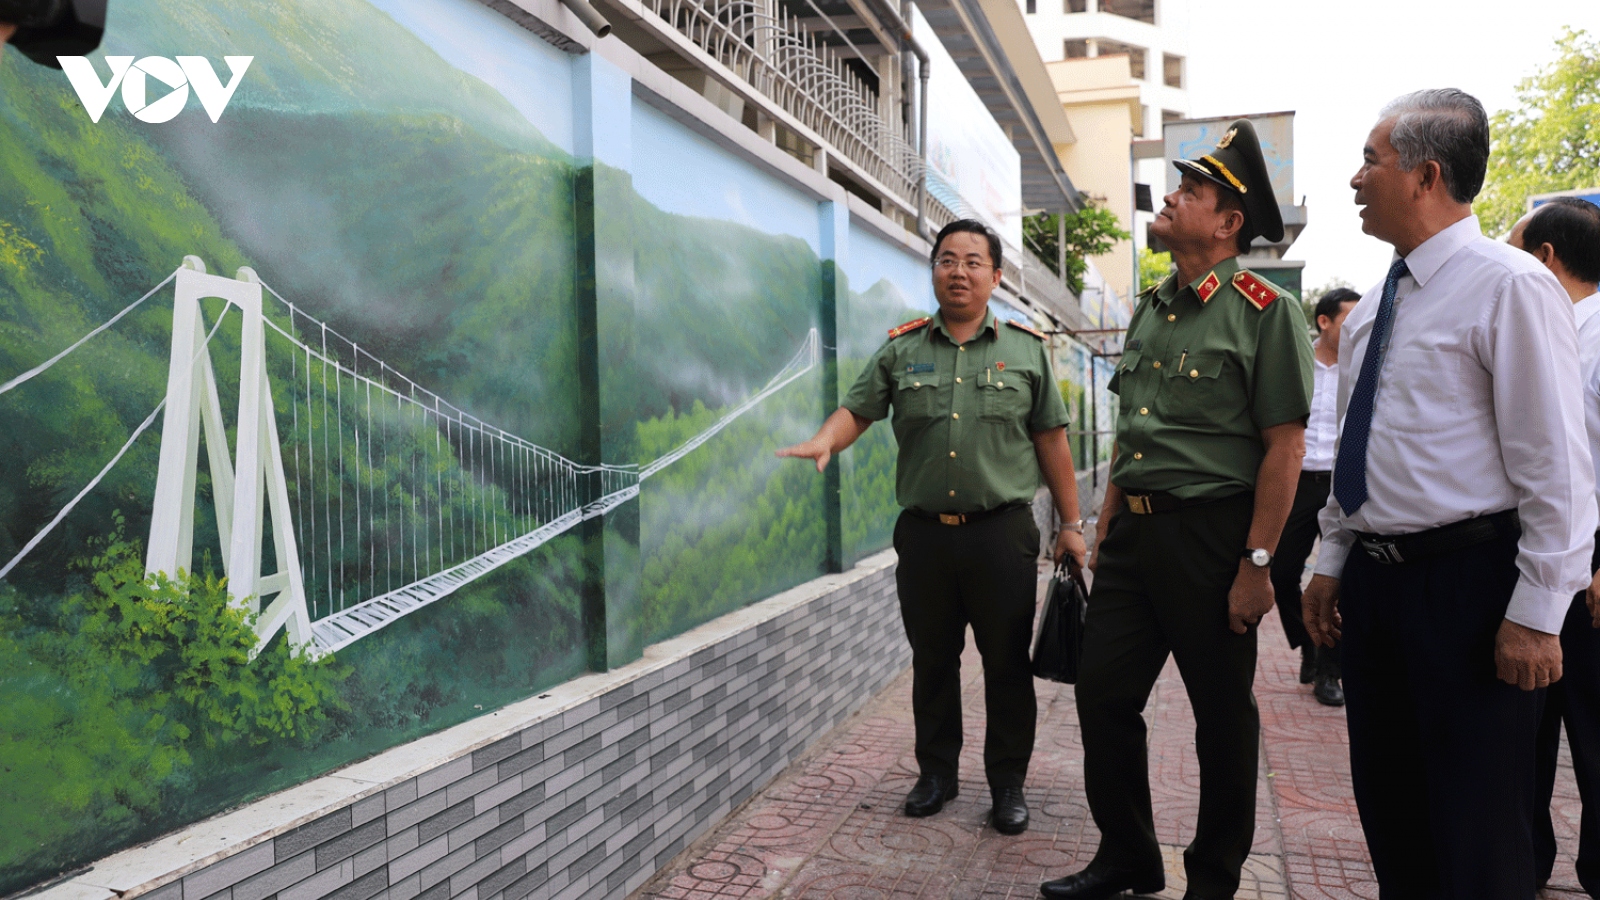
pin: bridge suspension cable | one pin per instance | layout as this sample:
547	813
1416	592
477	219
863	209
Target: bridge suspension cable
26	376
116	458
396	497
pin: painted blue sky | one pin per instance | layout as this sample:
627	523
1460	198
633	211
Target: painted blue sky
681	172
872	259
534	76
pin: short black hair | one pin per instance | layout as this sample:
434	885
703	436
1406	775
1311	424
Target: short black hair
1328	305
972	226
1572	228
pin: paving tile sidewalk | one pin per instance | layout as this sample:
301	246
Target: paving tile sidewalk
830	826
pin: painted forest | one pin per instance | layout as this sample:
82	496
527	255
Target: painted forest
131	705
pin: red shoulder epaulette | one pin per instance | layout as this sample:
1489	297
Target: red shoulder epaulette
1025	328
1258	292
1208	287
909	327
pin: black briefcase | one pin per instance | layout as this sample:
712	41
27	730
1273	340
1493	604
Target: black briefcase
1058	645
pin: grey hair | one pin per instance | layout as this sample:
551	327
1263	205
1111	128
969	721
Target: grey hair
1445	125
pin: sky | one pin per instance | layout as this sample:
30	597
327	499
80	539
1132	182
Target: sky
1337	63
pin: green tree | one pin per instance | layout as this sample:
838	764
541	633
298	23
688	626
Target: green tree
1153	267
1090	231
1308	303
1551	140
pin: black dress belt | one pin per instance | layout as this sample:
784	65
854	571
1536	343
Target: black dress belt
965	518
1405	548
1316	477
1144	503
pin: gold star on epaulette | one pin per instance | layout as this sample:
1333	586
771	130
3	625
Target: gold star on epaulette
1258	292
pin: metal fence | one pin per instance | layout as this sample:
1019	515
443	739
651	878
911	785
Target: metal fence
774	54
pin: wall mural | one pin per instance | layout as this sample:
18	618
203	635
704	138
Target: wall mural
886	287
358	466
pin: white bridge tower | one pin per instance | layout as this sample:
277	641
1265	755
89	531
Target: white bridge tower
242	502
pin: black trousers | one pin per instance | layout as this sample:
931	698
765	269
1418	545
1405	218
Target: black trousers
1575	699
1441	750
1162	588
986	574
1294	546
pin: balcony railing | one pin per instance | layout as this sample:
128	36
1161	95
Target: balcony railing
771	52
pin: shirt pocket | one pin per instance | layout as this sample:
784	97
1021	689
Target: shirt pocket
1420	390
1005	400
1122	379
917	396
1199	392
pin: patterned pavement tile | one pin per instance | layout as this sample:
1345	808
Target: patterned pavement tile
831	828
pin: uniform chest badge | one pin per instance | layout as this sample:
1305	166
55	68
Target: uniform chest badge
999	367
919	368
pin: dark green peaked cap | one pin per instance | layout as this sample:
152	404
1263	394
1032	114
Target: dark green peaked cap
1238	166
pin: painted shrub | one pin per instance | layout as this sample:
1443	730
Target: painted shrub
401	175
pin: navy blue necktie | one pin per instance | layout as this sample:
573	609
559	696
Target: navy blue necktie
1350	468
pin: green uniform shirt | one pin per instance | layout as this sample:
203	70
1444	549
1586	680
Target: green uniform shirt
963	415
1199	380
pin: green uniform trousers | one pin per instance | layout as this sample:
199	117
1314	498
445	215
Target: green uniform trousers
1161	587
984	573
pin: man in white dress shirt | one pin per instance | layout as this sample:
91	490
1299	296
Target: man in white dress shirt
1317	664
1462	518
1564	234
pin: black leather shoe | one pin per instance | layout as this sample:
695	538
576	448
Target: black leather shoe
929	795
1328	692
1010	813
1308	663
1095	883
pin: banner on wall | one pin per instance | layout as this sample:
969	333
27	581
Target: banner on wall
972	166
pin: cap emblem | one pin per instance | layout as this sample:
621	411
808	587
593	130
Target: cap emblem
1227	139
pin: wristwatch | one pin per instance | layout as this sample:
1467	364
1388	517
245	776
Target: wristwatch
1076	526
1258	557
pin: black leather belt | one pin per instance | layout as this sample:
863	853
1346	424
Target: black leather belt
1405	548
964	518
1144	504
1317	477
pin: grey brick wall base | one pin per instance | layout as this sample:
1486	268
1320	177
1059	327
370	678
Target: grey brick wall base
584	792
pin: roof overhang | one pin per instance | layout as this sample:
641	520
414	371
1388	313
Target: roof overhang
990	43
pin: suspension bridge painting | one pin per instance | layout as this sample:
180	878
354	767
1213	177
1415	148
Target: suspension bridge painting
298	442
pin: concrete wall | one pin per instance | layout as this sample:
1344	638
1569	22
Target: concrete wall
582	792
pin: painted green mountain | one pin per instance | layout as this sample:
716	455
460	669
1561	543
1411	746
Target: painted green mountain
319	56
412	208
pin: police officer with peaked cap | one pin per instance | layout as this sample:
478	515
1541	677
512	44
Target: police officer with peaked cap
979	420
1214	387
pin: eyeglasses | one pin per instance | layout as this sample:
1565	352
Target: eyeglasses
948	264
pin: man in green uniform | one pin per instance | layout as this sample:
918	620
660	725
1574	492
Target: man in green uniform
979	419
1214	388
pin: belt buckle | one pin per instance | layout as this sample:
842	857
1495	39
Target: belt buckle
951	518
1140	504
1383	551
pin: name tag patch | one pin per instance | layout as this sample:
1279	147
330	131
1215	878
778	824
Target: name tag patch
919	368
1134	344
